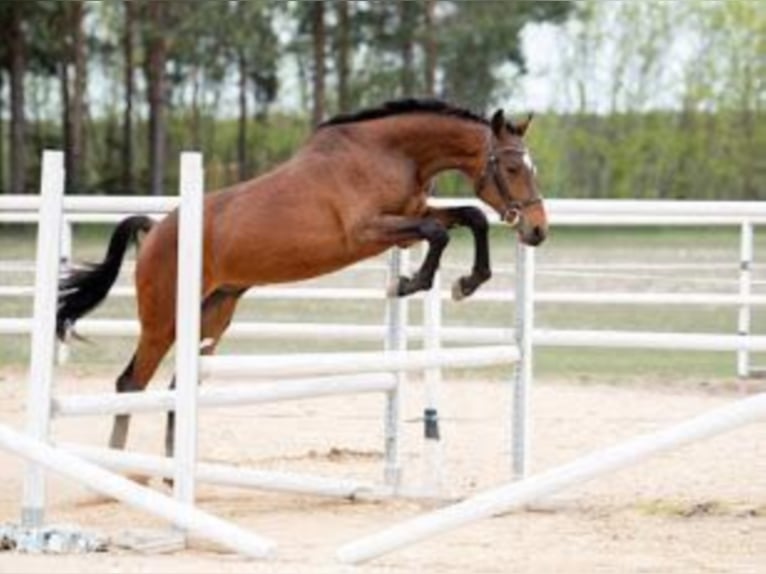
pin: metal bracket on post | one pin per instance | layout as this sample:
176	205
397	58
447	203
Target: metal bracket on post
396	340
525	272
43	346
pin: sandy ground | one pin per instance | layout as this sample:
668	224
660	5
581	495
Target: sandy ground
700	509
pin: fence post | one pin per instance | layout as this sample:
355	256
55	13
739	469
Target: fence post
745	277
190	246
433	466
42	353
396	340
522	378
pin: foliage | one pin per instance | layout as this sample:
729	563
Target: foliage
652	99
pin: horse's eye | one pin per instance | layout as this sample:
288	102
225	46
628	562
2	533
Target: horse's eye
512	169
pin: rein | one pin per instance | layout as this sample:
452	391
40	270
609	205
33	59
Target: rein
513	207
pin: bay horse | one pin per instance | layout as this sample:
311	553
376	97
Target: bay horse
357	187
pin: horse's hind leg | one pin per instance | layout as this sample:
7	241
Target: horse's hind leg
217	311
150	351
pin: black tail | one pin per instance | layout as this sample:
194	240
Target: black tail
82	290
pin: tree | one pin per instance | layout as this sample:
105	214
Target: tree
342	51
154	68
253	46
319	53
128	42
407	25
17	64
73	96
429	47
476	37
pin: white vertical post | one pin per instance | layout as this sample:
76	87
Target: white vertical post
65	257
42	354
433	479
190	246
745	282
396	340
525	273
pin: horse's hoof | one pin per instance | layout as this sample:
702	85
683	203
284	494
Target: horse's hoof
396	288
457	291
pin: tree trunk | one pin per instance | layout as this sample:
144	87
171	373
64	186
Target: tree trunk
66	114
430	49
406	26
242	127
77	149
344	98
17	57
196	136
155	76
318	32
129	87
2	133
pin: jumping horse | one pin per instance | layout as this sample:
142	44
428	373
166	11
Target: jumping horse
358	186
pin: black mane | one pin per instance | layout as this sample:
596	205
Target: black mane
405	106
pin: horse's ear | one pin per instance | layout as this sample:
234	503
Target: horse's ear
498	122
521	127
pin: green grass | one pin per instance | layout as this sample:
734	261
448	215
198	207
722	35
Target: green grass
565	246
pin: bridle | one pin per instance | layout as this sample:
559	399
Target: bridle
513	207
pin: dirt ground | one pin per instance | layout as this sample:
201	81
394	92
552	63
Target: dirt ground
699	509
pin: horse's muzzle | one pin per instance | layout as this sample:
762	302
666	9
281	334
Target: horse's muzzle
533	235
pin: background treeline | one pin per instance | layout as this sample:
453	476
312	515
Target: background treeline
647	99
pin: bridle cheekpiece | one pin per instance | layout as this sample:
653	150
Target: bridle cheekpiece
513	208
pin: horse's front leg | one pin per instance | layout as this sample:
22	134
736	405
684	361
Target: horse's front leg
475	220
435	233
400	230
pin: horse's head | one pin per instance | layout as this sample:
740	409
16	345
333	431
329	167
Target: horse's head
507	182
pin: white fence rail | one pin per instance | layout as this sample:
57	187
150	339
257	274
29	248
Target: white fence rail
745	215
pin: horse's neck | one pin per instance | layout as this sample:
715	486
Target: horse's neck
437	144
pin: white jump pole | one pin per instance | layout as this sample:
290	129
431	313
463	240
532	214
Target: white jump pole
42	353
522	378
515	495
150	501
395	342
190	242
319	364
224	396
743	321
227	474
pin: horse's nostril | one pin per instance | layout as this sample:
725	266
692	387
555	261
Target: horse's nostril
536	235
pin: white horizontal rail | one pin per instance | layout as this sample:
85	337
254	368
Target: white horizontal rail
229	475
579	297
231	396
127	204
477	335
346	363
560	211
127	491
515	495
31	218
91	328
647	340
